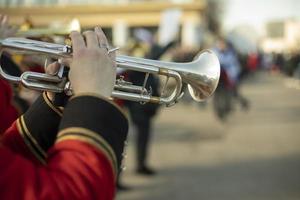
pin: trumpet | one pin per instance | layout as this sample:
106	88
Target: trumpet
201	75
57	29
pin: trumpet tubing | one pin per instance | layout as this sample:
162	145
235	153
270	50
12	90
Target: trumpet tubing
201	75
57	28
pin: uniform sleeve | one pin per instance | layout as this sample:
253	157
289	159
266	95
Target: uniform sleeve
83	162
32	134
97	121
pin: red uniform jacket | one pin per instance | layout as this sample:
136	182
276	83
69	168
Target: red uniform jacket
80	162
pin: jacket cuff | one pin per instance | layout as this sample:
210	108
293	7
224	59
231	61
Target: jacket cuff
39	125
97	121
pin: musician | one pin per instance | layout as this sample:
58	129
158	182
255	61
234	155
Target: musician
72	152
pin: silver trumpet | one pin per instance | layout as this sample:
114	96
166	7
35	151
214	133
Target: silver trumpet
201	75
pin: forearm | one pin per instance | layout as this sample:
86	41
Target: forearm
36	129
97	120
81	164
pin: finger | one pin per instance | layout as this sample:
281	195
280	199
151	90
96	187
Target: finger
4	21
2	29
1	18
52	68
11	31
91	39
77	41
112	56
102	40
65	61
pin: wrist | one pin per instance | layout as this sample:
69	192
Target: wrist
105	92
93	94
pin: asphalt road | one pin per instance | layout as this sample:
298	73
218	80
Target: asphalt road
255	155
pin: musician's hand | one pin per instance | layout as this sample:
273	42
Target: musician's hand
92	70
5	29
52	69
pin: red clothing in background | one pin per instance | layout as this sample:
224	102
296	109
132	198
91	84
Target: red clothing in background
8	113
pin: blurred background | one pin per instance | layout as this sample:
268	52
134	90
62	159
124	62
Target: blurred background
243	142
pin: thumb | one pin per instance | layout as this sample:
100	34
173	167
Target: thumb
65	61
52	68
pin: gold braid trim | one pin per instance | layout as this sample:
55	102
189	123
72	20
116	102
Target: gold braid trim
21	126
92	138
49	103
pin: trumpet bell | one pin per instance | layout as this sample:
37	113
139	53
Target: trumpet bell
202	75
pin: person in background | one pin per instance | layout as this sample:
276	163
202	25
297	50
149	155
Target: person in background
230	64
142	114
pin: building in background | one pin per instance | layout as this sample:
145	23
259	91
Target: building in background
118	17
282	37
270	25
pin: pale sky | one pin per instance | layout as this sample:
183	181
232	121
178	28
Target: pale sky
257	12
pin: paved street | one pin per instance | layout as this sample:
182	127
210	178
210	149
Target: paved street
255	155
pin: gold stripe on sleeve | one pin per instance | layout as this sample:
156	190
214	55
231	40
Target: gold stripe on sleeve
22	131
91	142
49	103
89	137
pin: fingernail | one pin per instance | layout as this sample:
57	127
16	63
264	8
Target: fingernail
73	32
113	50
98	29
